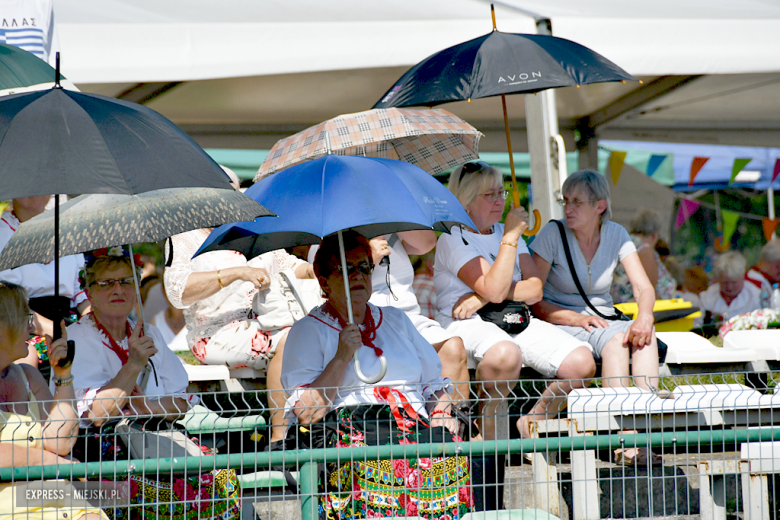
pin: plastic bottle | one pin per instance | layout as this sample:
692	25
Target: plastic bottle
776	297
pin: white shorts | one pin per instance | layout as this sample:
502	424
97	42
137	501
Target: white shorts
477	335
430	329
545	346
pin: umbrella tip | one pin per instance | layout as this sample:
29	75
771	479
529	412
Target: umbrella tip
641	82
57	71
469	101
578	86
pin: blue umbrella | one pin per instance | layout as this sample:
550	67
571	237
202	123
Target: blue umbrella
337	193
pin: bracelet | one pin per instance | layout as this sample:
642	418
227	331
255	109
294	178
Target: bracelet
440	412
219	280
510	244
64	382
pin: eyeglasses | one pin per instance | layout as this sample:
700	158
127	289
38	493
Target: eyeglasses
472	167
31	321
494	196
363	268
107	284
574	203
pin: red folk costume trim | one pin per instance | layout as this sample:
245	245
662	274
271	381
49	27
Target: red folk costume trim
113	345
8	223
388	395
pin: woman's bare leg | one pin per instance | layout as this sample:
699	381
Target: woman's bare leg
276	395
575	369
644	365
502	363
453	358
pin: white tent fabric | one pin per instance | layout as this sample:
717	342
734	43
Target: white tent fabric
129	41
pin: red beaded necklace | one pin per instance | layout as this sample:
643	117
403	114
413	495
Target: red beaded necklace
367	335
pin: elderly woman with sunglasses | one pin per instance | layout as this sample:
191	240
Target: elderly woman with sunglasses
409	405
597	246
492	264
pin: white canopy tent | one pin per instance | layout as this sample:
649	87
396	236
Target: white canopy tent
242	73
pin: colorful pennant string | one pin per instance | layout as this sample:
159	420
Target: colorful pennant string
653	163
697	164
739	165
687	208
730	220
616	160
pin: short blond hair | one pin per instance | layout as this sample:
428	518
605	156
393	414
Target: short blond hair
467	186
14	309
730	264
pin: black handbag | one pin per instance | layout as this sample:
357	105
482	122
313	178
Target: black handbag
510	316
618	316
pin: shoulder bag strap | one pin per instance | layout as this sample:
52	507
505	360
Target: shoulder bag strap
574	273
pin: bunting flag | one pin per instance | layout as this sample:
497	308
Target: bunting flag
769	227
697	164
687	208
730	220
739	165
653	163
616	160
776	171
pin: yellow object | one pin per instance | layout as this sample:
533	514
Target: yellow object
683	324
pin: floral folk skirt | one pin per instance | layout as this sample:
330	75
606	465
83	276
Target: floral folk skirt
211	495
428	487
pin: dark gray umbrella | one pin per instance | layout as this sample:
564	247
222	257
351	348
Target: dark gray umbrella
94	221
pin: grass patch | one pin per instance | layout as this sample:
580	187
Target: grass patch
188	357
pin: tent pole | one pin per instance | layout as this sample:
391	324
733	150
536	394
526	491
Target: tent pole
770	198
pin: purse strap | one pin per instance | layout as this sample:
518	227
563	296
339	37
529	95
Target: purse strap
567	250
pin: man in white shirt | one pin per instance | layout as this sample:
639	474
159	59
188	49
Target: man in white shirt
730	295
29	24
767	271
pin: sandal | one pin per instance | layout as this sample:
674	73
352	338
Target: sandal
641	457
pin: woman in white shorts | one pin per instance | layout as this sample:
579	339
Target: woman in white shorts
492	264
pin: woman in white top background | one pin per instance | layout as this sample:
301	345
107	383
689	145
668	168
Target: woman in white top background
493	264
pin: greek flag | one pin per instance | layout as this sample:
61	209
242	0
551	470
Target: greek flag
27	38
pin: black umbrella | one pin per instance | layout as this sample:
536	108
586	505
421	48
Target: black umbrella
60	141
497	64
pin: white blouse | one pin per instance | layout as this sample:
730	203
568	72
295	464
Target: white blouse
233	303
38	279
413	367
95	364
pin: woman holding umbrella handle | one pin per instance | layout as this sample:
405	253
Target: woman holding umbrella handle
410	407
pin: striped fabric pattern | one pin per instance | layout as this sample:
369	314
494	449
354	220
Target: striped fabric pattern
27	38
434	140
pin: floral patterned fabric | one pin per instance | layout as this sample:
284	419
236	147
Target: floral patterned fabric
755	320
622	291
433	488
212	495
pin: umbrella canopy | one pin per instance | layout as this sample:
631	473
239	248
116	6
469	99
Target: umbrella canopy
434	140
93	221
59	141
21	70
335	193
500	63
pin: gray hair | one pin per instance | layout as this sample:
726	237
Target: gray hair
770	253
593	184
730	264
645	222
472	184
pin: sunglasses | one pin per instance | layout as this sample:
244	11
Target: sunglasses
472	167
363	268
106	284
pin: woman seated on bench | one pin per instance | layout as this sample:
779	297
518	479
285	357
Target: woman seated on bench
36	428
112	355
408	406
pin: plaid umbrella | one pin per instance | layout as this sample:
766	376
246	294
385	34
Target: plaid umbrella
434	140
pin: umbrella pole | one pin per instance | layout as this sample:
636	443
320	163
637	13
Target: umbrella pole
56	332
345	275
137	287
770	198
515	192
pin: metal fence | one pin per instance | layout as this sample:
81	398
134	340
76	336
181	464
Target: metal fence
717	443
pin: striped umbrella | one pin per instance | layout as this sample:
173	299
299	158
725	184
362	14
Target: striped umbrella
434	140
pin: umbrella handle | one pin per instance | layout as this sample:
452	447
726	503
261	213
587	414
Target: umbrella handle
537	224
366	379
